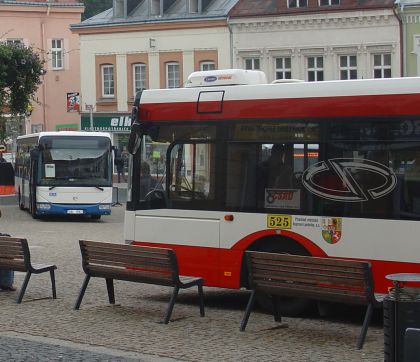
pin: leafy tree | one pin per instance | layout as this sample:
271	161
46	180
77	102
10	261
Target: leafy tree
93	7
20	75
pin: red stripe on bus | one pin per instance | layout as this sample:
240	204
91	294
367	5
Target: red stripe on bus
348	106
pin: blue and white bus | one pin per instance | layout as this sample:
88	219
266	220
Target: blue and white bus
64	173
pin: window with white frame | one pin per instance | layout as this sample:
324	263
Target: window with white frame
252	63
315	68
207	65
382	65
348	67
172	75
139	77
107	71
57	53
297	3
283	68
329	2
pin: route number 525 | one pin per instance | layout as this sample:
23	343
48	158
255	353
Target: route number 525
279	221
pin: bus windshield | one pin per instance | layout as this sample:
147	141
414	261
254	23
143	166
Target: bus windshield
75	161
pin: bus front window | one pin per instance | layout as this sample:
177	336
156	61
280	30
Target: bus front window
75	162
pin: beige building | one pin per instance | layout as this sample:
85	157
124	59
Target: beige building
146	44
44	25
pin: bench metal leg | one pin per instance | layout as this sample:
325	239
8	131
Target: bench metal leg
82	292
248	311
276	313
201	296
23	289
54	291
366	323
110	289
171	304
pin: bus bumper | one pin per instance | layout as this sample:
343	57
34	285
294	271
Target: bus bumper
72	209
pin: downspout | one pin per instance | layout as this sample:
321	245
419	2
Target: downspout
44	86
230	42
403	47
44	83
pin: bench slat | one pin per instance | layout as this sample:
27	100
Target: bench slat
115	259
307	277
316	293
131	275
305	259
270	264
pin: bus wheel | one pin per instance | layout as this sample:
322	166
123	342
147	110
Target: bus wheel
95	217
288	306
32	209
21	206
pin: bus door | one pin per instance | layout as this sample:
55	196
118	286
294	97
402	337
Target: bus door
177	196
33	180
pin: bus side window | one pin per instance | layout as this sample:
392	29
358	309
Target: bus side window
412	184
241	176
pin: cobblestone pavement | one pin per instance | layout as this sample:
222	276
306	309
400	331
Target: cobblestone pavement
132	330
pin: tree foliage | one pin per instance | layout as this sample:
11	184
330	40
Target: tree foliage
93	7
20	75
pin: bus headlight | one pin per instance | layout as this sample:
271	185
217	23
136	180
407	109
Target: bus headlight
105	207
43	206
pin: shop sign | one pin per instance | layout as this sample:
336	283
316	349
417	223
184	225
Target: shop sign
115	123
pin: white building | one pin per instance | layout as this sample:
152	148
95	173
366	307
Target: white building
317	40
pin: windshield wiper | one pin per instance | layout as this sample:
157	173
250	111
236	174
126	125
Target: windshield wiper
100	188
52	187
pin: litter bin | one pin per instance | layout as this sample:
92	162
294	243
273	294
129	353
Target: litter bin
401	311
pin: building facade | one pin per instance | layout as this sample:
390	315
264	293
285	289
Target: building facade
409	14
146	44
44	25
317	40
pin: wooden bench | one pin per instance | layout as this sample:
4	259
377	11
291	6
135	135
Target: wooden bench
15	255
325	279
136	264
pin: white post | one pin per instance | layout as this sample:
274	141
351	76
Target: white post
89	107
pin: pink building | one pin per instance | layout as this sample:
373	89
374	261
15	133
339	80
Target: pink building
44	25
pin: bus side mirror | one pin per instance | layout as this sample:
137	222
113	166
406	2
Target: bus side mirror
135	137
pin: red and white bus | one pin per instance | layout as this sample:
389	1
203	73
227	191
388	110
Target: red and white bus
345	184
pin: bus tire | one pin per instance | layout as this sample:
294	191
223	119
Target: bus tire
95	217
21	206
288	306
32	208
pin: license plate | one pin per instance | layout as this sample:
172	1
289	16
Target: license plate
78	212
279	221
